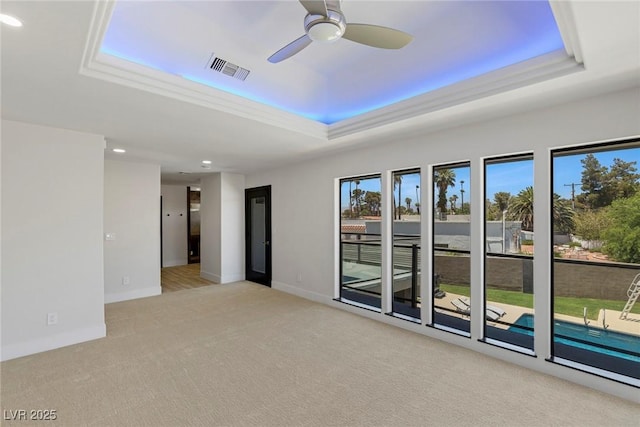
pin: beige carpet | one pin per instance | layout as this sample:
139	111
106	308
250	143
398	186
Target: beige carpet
244	354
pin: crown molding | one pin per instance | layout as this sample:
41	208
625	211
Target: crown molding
541	68
563	12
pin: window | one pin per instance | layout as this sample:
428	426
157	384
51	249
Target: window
360	243
596	259
509	243
406	243
451	247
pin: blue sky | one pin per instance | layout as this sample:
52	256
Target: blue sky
511	177
568	169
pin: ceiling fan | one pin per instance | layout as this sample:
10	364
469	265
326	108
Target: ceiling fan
326	23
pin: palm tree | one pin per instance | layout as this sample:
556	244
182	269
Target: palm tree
563	214
452	200
372	199
357	181
408	202
522	208
397	183
444	178
502	200
350	200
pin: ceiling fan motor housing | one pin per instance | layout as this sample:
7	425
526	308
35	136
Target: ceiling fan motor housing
325	29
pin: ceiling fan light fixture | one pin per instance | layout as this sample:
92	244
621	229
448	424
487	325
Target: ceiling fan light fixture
325	23
325	29
325	32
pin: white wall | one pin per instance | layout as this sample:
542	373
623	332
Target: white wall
174	225
52	254
232	226
304	227
210	230
222	227
132	214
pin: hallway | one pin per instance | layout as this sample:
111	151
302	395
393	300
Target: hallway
182	277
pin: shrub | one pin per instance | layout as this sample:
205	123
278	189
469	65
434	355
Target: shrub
623	235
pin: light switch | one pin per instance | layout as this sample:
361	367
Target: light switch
109	236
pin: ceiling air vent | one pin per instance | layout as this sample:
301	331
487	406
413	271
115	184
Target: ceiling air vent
225	67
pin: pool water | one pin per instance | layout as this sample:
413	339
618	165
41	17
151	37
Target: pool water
595	339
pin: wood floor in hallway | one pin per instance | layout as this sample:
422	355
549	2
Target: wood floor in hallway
182	277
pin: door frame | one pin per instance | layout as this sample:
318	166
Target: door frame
250	275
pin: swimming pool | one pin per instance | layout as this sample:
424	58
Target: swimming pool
613	343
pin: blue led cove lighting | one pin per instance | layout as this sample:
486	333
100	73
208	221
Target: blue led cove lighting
533	33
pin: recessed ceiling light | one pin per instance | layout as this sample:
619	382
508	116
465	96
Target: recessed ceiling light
10	20
119	150
206	162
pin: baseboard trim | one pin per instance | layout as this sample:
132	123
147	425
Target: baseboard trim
302	293
175	262
210	276
133	294
230	278
51	342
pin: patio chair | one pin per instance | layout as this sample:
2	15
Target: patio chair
461	307
491	316
497	310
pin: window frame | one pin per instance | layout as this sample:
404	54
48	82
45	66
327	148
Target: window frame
341	297
443	327
518	347
587	356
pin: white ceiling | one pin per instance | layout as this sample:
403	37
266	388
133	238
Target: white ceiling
53	73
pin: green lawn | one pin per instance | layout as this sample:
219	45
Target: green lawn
563	305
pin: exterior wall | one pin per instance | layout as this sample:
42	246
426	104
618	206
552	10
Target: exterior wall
455	234
592	281
571	279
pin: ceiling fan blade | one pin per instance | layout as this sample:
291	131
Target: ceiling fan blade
376	36
291	49
315	7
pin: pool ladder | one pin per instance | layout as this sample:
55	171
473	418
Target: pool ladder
632	293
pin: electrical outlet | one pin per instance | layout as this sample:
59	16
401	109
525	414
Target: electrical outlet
126	280
299	278
52	318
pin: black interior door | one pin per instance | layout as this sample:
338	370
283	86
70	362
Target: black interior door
258	234
193	225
